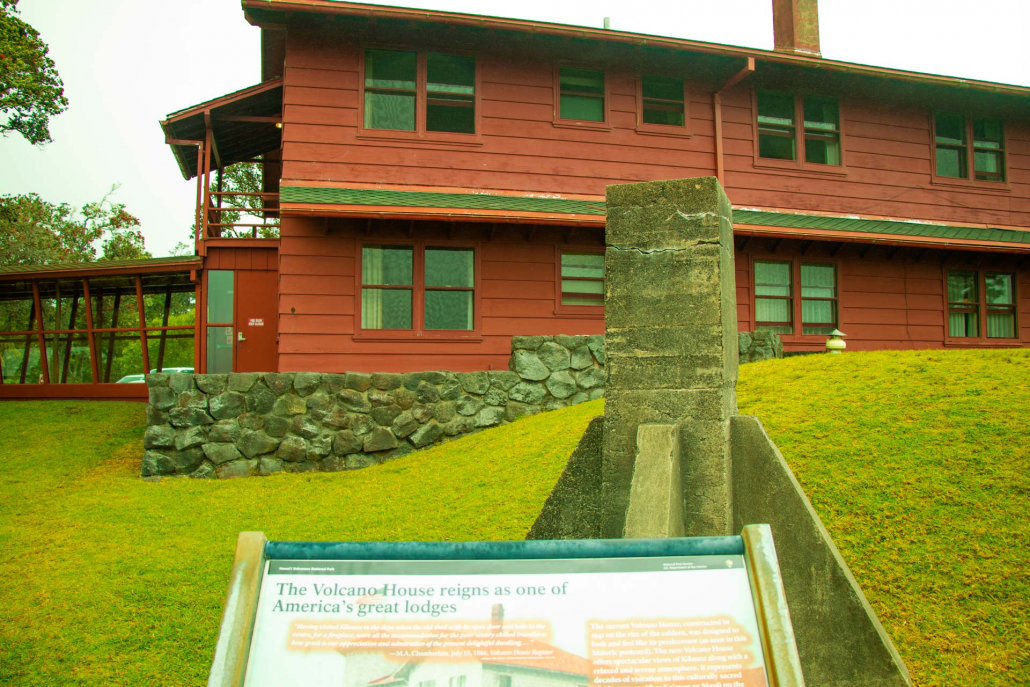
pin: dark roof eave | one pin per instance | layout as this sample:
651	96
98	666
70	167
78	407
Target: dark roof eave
101	268
332	7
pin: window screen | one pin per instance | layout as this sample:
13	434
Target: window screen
582	94
663	101
390	78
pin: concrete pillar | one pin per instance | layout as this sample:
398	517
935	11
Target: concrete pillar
671	342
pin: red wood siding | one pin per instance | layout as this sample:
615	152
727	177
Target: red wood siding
233	258
887	147
318	303
888	298
888	157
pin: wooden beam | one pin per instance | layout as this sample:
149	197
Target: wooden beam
44	364
115	311
836	249
209	124
142	324
865	251
164	333
68	345
94	361
806	247
775	246
277	119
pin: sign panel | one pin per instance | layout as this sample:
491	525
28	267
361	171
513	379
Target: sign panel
673	620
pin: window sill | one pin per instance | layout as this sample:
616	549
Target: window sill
657	130
442	139
585	126
982	343
580	314
1000	187
412	337
794	169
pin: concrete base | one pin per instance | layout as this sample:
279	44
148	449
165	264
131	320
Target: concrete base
840	641
656	493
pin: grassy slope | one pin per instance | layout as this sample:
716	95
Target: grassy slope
917	462
919	465
107	580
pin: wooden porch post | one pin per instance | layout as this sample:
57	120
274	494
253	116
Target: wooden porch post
94	362
142	324
43	360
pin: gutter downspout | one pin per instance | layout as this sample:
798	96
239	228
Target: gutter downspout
749	68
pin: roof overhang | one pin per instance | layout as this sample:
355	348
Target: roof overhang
244	125
469	205
274	13
101	268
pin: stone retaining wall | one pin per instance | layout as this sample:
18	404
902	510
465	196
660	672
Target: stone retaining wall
755	346
245	424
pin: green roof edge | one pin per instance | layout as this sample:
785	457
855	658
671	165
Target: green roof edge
428	199
319	195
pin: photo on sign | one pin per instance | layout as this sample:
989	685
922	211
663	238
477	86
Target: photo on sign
507	624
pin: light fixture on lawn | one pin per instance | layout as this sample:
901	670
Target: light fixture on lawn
835	344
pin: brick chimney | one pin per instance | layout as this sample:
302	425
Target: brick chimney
796	26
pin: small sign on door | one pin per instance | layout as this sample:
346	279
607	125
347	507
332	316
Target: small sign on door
256	322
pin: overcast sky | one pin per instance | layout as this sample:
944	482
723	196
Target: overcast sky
128	63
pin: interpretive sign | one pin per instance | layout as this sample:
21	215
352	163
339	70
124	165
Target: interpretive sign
505	614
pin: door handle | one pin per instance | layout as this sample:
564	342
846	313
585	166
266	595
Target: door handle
239	336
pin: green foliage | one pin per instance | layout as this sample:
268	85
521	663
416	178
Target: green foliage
35	232
918	464
110	580
31	91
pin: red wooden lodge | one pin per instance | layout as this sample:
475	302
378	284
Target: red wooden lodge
438	183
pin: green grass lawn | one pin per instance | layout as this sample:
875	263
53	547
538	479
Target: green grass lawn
917	463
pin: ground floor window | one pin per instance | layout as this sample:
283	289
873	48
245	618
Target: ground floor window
418	287
971	292
777	304
582	278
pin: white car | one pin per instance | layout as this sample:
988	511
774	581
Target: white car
139	379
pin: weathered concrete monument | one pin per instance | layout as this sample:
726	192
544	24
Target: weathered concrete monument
672	457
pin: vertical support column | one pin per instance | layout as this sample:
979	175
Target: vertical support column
142	325
94	361
44	364
671	342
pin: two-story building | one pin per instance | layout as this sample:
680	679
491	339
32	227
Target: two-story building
439	184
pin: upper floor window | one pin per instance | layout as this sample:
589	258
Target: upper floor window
957	139
971	292
423	92
776	303
662	101
581	94
816	141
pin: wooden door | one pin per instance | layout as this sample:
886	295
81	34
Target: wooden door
257	306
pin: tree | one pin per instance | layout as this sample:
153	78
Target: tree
31	91
35	232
